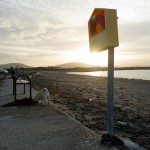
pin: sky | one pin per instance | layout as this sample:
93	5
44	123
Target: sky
52	32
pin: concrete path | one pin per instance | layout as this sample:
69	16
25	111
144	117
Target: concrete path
41	127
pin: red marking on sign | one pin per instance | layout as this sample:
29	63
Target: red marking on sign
97	24
100	20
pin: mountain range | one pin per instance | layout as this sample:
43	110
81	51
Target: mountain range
14	65
66	65
75	65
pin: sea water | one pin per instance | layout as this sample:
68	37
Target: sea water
129	74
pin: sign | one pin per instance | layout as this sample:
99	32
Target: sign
103	35
103	30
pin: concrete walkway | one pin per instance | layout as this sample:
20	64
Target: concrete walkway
41	127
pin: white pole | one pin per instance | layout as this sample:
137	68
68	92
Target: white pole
110	112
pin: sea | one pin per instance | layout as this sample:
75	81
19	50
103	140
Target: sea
129	74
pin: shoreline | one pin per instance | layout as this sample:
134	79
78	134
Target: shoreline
85	99
124	74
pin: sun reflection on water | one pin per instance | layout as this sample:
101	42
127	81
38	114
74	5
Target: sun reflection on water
94	73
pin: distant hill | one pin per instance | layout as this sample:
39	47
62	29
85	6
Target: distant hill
14	65
75	65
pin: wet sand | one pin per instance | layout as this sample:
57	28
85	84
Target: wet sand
85	99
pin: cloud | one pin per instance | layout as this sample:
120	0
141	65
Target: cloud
38	28
135	35
42	33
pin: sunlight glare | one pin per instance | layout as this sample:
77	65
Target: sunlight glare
83	55
96	73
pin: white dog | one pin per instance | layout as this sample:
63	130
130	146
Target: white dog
42	97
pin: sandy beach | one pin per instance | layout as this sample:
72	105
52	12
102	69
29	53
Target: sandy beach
85	99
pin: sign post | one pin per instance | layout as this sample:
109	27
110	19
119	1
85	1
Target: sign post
103	35
110	112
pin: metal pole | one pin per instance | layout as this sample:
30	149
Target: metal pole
15	90
30	91
13	85
24	84
24	88
110	112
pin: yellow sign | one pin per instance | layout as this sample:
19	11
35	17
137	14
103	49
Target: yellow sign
103	30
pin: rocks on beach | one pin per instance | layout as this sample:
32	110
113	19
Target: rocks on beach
85	99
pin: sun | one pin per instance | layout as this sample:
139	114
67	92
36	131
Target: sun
98	59
83	55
